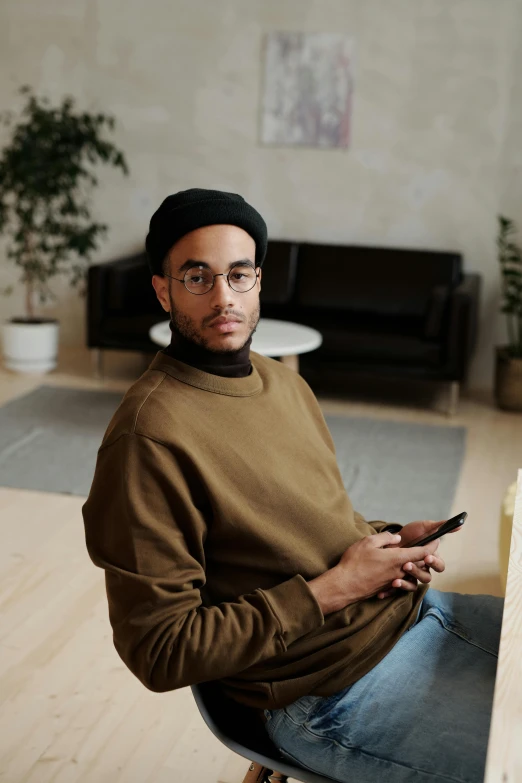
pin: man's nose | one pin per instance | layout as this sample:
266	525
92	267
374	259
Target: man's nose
221	291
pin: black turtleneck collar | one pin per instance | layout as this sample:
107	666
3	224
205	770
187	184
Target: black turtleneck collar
229	365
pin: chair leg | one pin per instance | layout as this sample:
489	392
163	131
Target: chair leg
259	774
256	773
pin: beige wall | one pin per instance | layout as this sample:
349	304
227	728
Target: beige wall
437	116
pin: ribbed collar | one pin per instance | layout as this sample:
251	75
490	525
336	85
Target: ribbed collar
230	365
234	387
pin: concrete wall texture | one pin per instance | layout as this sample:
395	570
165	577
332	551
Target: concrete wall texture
436	125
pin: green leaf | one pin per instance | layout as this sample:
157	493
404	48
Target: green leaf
46	174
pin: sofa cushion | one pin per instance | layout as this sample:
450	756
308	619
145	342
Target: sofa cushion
323	319
367	347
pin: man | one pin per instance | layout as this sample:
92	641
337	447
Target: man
232	552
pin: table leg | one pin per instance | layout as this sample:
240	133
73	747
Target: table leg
454	388
97	356
291	361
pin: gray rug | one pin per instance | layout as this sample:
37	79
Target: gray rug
49	438
397	471
393	471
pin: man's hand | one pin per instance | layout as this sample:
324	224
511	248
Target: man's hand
417	530
418	571
366	568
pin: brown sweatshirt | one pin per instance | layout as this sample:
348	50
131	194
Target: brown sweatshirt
214	501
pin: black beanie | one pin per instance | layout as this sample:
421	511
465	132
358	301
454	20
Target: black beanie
191	209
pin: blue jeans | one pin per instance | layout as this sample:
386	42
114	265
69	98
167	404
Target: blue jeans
421	715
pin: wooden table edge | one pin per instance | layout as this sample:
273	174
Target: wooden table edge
504	758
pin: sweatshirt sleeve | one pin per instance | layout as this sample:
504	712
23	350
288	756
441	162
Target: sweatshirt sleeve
377	525
144	526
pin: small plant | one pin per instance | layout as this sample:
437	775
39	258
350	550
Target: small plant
45	174
510	258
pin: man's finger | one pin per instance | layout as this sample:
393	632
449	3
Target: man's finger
394	590
405	584
387	593
385	539
408	583
415	553
422	574
435	563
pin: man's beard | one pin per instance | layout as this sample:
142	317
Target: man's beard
184	325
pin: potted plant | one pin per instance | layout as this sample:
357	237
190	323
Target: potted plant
508	376
45	174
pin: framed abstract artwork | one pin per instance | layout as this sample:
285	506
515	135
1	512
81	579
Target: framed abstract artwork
308	86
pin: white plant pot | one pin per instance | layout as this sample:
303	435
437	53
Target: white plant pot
31	347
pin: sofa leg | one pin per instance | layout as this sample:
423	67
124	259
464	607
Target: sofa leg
454	389
97	356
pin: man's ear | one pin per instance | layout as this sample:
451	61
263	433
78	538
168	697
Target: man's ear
160	285
259	277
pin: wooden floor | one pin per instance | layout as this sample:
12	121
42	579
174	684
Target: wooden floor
70	710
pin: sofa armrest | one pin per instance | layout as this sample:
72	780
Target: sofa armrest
96	303
461	336
436	312
98	291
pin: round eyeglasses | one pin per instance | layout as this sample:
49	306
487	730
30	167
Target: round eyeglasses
199	280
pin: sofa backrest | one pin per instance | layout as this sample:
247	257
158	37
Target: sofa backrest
279	272
384	281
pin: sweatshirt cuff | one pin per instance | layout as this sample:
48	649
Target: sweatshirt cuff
383	527
377	524
295	608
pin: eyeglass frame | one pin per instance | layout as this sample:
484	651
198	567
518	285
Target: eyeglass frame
221	274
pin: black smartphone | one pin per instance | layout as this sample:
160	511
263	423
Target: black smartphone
446	527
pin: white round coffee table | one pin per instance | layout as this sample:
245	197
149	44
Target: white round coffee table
281	339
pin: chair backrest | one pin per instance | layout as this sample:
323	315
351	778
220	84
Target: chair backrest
231	721
239	728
